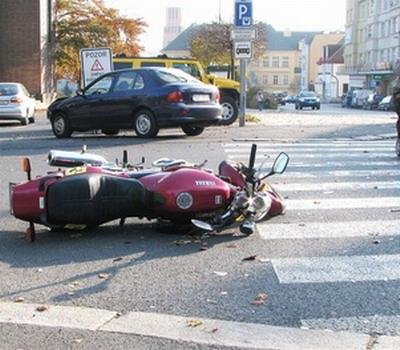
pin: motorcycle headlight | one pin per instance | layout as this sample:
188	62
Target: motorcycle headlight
184	200
260	205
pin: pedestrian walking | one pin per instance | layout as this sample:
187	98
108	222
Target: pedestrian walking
396	101
260	100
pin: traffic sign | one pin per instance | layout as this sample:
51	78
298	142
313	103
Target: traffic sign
242	49
243	13
95	62
243	34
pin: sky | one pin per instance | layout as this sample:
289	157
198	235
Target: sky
296	15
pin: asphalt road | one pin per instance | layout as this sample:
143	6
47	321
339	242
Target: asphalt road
355	280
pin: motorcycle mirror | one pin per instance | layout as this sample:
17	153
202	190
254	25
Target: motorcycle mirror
202	225
26	167
280	163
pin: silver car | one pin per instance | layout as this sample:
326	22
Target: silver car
16	103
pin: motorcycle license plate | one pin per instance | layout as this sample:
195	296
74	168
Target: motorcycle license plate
75	171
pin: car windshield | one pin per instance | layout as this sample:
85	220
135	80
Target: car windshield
307	94
175	76
8	89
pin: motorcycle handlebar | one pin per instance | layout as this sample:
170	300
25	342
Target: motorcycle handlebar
252	156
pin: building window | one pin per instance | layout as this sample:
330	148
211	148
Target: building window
285	80
265	62
285	62
275	61
275	80
265	79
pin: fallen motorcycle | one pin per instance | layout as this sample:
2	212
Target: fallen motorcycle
89	191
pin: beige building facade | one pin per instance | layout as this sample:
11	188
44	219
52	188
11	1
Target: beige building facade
372	43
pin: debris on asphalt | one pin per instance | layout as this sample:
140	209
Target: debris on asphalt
260	299
102	275
19	300
194	323
42	308
220	273
250	258
182	242
117	259
231	245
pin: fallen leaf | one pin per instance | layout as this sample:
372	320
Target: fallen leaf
250	258
260	299
19	300
42	308
220	273
232	245
102	275
182	242
194	323
117	259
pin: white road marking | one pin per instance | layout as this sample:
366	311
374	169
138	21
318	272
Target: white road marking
312	230
337	269
342	203
336	186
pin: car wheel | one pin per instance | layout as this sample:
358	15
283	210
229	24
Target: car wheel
296	107
61	126
110	132
192	130
230	110
318	107
145	124
301	107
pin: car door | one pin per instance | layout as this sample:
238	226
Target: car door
89	111
126	94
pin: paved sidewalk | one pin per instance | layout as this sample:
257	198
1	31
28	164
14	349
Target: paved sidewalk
207	332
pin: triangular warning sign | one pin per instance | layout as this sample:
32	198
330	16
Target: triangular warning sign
96	66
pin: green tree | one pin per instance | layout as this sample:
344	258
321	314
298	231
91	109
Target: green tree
89	23
211	43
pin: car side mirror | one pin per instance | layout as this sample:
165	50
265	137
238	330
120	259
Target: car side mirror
79	92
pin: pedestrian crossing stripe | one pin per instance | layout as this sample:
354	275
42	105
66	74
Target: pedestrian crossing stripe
337	269
317	230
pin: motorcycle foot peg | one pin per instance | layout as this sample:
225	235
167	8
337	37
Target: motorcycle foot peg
247	227
30	233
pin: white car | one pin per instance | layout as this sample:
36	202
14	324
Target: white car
16	103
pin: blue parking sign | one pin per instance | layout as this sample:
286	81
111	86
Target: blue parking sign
243	13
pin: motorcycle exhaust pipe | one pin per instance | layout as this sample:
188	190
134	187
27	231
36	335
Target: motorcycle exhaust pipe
73	159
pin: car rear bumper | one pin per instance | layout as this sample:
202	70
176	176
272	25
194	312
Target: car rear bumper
189	115
12	113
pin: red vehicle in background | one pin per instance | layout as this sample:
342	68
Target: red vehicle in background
91	191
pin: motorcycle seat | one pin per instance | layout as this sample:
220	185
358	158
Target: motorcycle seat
92	199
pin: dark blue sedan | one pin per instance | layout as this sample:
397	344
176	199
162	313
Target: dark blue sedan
144	99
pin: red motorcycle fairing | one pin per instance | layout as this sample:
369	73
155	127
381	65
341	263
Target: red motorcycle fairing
228	170
208	192
29	198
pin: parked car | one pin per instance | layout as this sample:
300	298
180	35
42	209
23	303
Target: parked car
279	96
289	99
144	99
16	103
307	99
372	101
386	104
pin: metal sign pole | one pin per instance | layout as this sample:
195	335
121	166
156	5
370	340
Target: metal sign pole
242	109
